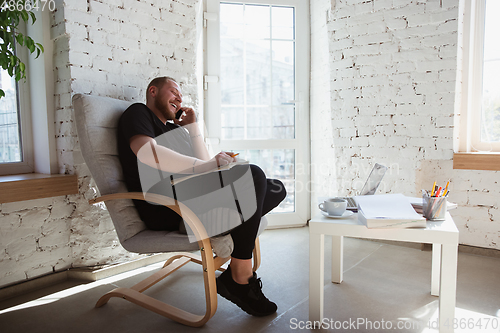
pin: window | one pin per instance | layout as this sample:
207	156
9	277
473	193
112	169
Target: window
480	104
257	96
489	128
37	146
16	154
33	159
10	142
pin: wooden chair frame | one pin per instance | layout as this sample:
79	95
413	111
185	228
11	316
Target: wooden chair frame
209	262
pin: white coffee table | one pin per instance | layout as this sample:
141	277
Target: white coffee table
443	236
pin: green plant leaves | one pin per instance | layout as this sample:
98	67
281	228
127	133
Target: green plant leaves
24	15
9	35
30	44
20	39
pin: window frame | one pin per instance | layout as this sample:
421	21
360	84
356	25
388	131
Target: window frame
212	104
38	103
24	118
469	137
468	154
44	180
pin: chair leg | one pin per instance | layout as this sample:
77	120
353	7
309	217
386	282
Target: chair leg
134	294
218	261
166	310
209	264
193	257
160	275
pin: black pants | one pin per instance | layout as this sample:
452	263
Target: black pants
268	194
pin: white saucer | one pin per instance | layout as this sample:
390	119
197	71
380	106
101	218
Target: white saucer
347	213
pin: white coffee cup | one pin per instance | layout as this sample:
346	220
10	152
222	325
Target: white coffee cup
334	206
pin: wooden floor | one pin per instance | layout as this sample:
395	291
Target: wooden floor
381	282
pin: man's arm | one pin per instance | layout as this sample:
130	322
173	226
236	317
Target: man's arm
150	153
199	147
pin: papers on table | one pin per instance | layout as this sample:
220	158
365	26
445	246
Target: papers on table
388	211
418	204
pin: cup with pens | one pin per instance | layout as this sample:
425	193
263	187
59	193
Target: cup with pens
434	202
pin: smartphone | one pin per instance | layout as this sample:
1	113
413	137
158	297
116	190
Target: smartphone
178	114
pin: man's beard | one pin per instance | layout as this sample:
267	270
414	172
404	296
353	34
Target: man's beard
163	108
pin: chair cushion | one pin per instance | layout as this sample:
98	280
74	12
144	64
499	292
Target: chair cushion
149	241
96	122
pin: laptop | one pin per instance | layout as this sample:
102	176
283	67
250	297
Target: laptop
371	185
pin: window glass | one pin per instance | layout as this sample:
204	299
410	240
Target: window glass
10	143
277	164
257	51
282	22
490	118
257	75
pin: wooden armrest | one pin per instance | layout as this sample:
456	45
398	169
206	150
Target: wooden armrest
187	214
166	201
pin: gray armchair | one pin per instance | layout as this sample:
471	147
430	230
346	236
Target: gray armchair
96	122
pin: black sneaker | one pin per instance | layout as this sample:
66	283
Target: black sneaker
248	297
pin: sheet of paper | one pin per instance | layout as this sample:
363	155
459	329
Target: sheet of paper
390	206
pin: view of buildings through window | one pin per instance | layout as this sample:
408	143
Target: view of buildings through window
258	85
10	143
490	119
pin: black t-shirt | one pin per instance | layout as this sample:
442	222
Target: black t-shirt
139	119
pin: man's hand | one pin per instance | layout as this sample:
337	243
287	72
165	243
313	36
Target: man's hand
224	158
189	117
188	122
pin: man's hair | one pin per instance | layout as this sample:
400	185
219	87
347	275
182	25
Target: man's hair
158	82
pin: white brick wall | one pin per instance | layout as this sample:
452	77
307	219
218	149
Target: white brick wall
105	48
393	74
34	237
115	49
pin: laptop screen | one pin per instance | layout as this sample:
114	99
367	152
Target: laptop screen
374	180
